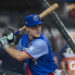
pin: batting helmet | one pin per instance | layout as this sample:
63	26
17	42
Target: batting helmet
32	20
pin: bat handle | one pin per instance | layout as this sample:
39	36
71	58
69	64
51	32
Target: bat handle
24	27
21	29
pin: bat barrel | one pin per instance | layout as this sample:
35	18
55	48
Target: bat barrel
49	10
45	13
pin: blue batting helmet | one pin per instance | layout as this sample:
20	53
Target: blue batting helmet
32	20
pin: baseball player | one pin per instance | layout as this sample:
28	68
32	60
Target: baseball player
35	48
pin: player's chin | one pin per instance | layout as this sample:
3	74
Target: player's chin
38	35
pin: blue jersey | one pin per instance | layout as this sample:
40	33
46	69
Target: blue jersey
39	49
11	64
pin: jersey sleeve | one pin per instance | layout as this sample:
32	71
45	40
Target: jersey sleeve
37	49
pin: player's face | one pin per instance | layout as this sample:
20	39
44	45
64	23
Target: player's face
34	32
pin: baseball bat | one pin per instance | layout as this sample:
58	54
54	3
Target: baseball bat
42	15
60	26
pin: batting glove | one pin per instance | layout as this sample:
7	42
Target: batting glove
10	38
4	42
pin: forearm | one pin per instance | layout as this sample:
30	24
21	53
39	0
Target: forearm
19	55
14	53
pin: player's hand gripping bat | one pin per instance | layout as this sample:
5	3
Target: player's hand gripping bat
42	15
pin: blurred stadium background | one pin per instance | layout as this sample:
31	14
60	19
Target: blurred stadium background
13	12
